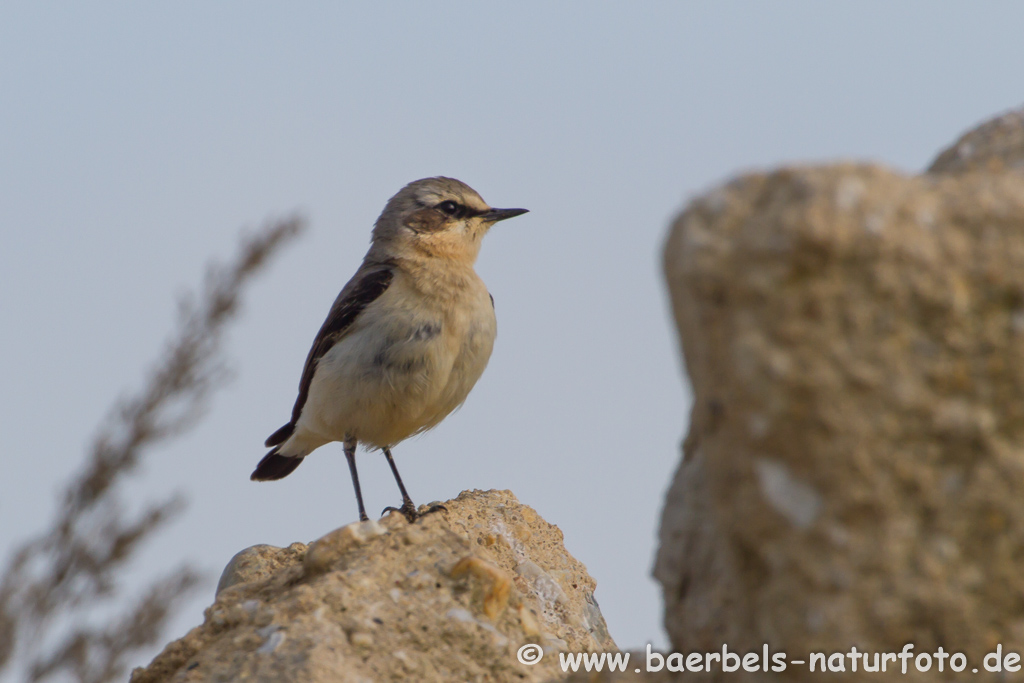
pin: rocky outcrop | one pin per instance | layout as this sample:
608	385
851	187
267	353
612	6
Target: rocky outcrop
994	146
854	470
450	598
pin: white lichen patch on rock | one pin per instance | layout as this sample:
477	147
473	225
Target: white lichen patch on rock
449	598
796	501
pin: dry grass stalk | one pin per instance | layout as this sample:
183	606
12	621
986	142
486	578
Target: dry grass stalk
53	583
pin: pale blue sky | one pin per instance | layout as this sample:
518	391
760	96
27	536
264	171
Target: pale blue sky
136	139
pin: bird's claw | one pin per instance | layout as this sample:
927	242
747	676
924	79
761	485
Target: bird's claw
409	511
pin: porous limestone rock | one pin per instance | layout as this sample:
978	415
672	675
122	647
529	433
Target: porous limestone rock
993	146
854	469
258	562
449	598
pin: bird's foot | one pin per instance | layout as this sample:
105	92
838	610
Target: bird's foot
411	513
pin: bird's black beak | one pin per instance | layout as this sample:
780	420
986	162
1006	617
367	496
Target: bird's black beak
495	215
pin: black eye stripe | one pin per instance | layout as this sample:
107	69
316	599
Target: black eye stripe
455	209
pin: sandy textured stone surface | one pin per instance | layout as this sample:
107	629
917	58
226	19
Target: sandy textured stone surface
450	598
854	469
257	563
993	146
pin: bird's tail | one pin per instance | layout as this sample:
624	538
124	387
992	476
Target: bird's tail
275	466
281	435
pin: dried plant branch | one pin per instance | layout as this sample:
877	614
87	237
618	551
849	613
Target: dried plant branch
72	568
97	656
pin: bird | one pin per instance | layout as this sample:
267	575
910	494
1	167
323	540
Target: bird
406	339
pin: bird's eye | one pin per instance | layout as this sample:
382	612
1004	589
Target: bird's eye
449	207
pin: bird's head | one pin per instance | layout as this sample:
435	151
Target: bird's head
436	217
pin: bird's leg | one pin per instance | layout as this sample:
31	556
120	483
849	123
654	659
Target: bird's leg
408	508
350	455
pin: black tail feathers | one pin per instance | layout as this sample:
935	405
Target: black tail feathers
280	436
274	466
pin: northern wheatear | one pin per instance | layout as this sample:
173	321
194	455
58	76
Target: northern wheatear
406	339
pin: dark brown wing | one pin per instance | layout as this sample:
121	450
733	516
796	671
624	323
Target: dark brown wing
360	292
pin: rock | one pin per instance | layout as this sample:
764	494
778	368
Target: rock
336	547
854	469
993	146
495	591
257	563
450	598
